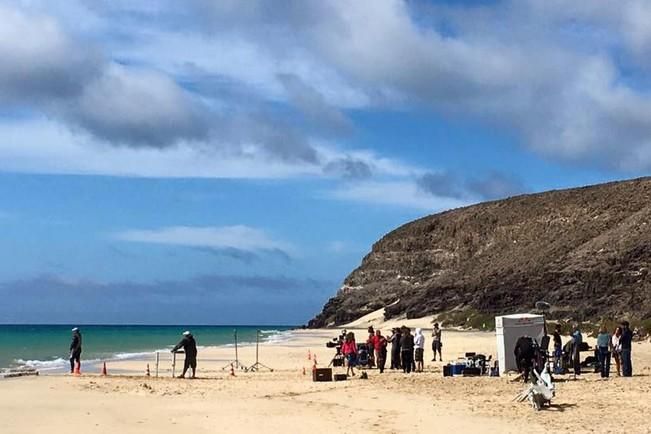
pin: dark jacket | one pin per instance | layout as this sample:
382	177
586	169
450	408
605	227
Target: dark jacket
627	339
189	346
75	345
395	342
558	342
407	342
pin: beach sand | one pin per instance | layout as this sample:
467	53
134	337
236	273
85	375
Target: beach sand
286	401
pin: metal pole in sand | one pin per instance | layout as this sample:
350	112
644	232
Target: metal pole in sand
237	359
157	360
257	365
235	362
173	364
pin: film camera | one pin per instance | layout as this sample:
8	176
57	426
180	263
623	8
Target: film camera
338	359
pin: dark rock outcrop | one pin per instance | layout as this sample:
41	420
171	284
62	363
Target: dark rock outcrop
587	251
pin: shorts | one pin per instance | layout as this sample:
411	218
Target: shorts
419	355
436	345
352	359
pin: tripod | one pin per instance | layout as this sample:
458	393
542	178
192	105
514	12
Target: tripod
338	359
235	363
257	365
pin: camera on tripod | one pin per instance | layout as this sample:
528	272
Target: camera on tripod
338	359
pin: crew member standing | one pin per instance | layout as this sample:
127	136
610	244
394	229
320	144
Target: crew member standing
75	350
189	346
436	342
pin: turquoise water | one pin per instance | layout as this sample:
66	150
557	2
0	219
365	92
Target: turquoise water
46	346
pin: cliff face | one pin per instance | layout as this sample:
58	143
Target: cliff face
586	251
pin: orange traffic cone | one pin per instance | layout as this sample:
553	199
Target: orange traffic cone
78	369
232	371
309	355
104	373
147	373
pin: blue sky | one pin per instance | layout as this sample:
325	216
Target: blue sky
231	162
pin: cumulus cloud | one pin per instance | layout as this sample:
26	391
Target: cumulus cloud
493	185
401	194
227	238
564	76
40	61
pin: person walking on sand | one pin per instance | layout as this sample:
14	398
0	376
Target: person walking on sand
189	346
380	343
407	349
603	351
617	349
75	350
437	344
395	348
419	345
349	350
625	343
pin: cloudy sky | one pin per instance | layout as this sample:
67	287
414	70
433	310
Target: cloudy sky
230	161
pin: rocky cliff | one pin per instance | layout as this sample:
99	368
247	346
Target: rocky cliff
586	251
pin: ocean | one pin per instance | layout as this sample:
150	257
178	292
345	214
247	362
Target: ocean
45	347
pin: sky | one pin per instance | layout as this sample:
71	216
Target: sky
230	162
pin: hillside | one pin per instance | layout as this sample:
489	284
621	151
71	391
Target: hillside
586	251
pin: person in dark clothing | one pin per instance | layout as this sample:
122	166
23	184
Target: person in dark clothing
395	348
189	346
75	350
407	350
625	344
558	349
525	352
577	340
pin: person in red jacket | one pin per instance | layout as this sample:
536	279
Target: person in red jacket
349	350
380	345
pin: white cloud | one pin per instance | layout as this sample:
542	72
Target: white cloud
402	194
237	237
45	146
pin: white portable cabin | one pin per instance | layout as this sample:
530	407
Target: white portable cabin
508	329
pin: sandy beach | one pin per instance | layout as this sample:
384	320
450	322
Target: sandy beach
287	401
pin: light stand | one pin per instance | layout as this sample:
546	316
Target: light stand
257	365
235	363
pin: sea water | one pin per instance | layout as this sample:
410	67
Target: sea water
45	347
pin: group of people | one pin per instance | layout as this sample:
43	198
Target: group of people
617	345
407	350
187	343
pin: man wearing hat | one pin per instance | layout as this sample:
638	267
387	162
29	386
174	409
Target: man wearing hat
189	346
75	349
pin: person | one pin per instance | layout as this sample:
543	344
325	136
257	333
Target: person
380	344
577	340
558	349
189	346
395	348
437	344
625	344
524	352
370	344
603	351
419	345
349	350
617	348
75	350
407	349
